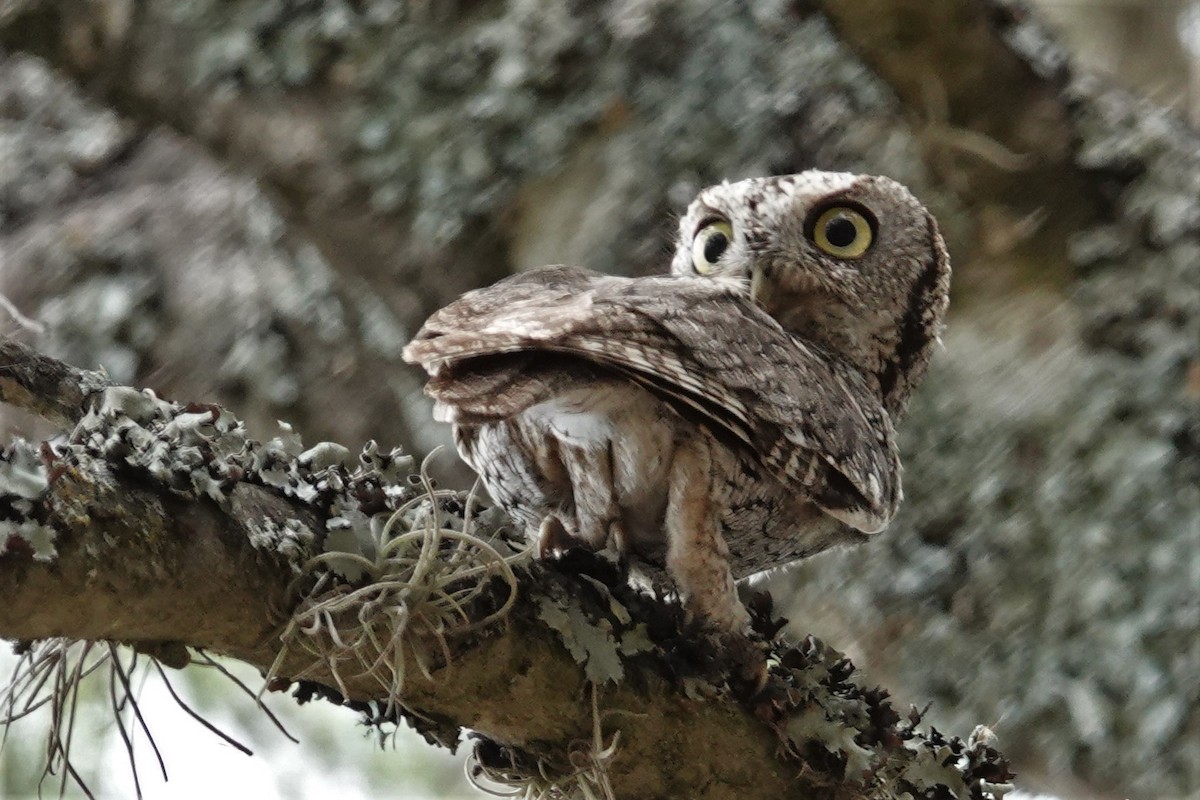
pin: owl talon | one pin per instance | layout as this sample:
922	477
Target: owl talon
553	538
617	542
748	660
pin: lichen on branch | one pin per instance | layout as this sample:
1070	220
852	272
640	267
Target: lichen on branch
162	525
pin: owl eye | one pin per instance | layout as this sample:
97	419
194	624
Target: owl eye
710	244
843	231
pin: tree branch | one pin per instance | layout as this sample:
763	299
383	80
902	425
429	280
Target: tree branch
157	522
45	386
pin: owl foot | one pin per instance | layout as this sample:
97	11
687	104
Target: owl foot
748	663
617	541
554	538
739	646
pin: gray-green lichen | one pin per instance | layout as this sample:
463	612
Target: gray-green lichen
825	714
49	139
453	118
600	644
22	482
840	735
125	269
204	452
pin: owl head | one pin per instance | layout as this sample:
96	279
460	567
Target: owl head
852	263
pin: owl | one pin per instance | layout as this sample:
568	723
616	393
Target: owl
731	417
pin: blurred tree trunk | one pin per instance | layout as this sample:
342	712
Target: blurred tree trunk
260	202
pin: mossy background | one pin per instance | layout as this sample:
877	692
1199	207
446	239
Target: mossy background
258	202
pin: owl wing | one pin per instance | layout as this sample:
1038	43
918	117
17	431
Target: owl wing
701	345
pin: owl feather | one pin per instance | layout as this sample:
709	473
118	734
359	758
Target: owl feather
808	419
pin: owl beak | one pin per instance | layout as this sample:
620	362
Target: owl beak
762	287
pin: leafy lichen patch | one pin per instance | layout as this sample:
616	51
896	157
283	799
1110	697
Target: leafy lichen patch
202	450
827	719
23	478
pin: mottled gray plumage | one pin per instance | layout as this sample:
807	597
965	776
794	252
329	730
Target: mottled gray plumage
720	424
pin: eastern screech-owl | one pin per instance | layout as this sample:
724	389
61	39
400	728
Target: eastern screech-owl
734	416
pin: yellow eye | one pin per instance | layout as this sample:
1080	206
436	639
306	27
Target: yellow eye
843	232
710	244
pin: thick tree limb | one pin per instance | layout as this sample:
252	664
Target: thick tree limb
144	551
